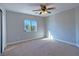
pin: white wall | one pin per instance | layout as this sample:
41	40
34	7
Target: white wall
15	27
62	26
0	30
77	25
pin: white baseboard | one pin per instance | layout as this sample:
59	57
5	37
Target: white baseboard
21	41
77	45
67	42
74	44
41	38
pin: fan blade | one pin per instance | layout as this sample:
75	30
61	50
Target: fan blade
50	8
48	11
37	10
40	13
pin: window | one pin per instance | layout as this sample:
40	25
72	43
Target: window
30	25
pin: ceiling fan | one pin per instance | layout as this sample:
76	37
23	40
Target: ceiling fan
43	9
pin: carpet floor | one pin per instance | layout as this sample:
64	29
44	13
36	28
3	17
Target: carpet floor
42	47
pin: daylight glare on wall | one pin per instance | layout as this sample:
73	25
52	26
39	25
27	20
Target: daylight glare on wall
50	36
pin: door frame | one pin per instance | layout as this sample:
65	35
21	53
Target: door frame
1	33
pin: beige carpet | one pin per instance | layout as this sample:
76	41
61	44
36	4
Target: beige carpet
42	47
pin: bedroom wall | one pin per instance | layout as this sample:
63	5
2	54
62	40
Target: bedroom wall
15	27
62	26
0	30
77	25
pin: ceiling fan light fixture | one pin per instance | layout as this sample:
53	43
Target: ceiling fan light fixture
44	10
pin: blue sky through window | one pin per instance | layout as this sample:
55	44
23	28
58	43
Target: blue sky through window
34	23
30	25
26	22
